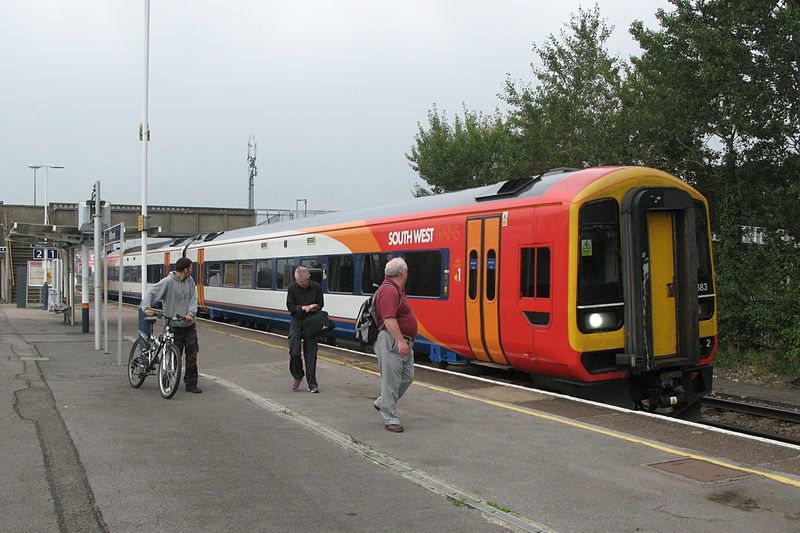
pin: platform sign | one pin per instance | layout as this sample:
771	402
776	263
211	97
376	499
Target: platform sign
114	234
3	249
45	253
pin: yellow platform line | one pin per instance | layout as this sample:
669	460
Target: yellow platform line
572	423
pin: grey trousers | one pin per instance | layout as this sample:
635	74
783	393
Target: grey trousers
397	373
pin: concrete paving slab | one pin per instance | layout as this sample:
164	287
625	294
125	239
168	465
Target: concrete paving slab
198	460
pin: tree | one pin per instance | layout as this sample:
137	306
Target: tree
572	116
468	153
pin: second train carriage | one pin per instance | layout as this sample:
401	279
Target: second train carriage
598	282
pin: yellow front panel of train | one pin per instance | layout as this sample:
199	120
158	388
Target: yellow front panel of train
662	283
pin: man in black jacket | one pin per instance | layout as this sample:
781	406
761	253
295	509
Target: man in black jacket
303	299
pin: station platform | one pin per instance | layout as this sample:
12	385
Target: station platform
86	452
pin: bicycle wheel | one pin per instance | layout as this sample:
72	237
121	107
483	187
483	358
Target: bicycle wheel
169	371
134	377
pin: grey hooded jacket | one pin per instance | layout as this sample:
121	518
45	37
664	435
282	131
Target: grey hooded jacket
177	297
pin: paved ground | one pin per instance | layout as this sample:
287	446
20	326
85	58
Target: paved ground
80	450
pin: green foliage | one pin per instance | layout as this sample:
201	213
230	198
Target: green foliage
573	116
468	153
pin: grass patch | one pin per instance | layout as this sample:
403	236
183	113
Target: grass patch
458	502
498	506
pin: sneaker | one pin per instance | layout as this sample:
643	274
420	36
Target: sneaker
314	390
296	384
193	388
376	406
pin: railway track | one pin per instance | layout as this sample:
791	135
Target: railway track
768	422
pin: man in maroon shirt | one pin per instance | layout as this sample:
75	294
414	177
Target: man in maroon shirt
397	329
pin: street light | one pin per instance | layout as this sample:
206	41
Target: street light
46	167
35	168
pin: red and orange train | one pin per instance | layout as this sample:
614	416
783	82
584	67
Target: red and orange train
597	282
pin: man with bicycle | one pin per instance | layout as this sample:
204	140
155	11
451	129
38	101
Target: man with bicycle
178	294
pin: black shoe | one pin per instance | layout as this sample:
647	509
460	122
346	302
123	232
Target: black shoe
193	388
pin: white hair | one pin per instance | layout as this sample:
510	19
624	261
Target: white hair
395	267
301	272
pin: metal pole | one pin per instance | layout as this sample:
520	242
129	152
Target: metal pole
85	287
45	194
119	296
145	138
71	288
105	301
34	186
98	262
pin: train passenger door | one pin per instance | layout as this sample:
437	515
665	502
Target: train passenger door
482	296
660	273
198	274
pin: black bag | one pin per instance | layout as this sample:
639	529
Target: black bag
366	322
317	323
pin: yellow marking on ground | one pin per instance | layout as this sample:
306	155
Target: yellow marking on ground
572	423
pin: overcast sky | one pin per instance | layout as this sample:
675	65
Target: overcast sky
332	90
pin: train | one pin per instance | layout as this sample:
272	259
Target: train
595	282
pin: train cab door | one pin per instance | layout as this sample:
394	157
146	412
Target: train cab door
660	272
482	286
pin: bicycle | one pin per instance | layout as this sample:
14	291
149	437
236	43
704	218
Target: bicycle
159	351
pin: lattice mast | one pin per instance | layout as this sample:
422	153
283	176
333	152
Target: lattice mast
251	163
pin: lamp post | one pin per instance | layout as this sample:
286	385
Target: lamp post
144	136
35	168
46	167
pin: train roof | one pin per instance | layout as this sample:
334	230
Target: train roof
528	187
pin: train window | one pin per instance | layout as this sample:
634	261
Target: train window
132	274
315	268
229	275
246	275
372	271
491	274
600	261
341	274
264	274
472	274
154	273
705	283
535	273
543	272
425	273
600	301
527	272
214	275
284	273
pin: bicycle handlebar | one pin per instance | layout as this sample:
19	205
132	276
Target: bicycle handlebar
157	313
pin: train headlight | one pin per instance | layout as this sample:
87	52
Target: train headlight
597	320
